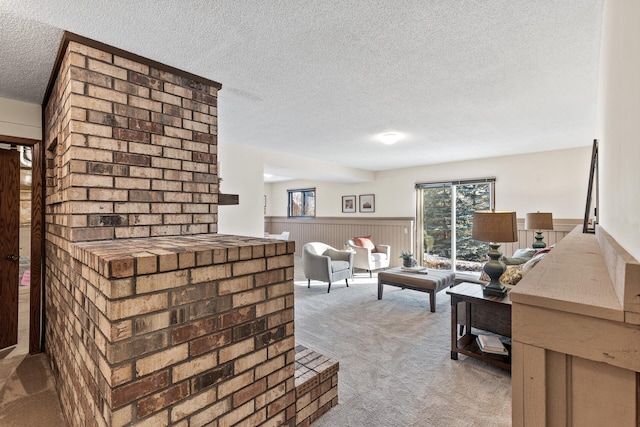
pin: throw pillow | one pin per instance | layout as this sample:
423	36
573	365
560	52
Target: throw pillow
365	242
514	260
511	275
543	251
524	253
532	262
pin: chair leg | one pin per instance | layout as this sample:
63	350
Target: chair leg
346	280
329	288
370	274
308	283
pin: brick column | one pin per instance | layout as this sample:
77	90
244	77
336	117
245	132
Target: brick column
152	318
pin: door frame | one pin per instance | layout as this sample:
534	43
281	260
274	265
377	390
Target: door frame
36	294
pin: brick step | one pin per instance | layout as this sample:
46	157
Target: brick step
316	385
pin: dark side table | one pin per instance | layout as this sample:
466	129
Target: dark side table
473	303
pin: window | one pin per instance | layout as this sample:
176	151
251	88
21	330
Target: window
445	217
302	203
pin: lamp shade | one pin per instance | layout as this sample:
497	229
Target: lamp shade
495	226
538	221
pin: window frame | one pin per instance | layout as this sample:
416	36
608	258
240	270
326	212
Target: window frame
453	184
304	202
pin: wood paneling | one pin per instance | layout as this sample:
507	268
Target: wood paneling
558	376
602	395
608	341
37	238
576	357
228	199
17	140
624	272
517	383
36	341
526	238
564	390
396	232
9	246
534	386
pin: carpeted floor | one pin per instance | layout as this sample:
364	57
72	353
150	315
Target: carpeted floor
27	388
28	396
394	354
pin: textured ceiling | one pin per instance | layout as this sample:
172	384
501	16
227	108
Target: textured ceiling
459	79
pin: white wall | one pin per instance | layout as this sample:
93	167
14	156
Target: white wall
553	181
20	119
619	123
241	170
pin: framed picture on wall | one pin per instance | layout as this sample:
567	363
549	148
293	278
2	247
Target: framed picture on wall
348	204
367	203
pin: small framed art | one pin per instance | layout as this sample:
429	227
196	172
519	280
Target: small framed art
367	203
348	204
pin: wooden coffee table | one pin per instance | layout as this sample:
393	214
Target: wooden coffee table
431	282
471	295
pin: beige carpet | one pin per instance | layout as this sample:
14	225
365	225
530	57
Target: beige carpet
27	392
394	354
28	397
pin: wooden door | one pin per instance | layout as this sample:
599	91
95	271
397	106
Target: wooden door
9	246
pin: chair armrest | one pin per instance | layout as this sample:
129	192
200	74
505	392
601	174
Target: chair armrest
386	249
337	255
317	267
362	255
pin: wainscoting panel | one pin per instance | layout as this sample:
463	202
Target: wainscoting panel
396	232
526	238
334	231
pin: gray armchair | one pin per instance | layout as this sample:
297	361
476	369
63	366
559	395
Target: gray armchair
366	260
322	262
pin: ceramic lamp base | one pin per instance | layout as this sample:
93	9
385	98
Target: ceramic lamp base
499	291
538	244
494	269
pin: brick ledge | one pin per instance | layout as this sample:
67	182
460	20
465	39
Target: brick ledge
119	259
316	385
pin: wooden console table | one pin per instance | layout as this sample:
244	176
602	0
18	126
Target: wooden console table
470	294
576	336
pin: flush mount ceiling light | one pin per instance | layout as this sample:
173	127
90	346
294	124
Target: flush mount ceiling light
389	138
267	175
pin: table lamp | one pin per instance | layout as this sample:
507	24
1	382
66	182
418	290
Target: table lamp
538	221
493	227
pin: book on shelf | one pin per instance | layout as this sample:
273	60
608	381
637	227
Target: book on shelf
491	344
